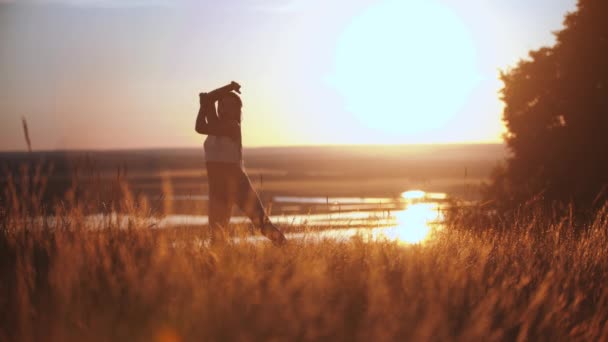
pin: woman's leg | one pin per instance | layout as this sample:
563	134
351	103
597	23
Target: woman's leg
220	204
249	202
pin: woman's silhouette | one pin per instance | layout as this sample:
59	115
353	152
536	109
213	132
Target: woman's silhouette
228	181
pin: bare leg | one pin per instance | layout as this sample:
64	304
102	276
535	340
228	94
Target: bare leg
249	202
220	204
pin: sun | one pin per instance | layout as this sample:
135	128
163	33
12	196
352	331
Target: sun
405	67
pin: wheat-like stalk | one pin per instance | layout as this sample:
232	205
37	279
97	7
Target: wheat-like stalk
27	134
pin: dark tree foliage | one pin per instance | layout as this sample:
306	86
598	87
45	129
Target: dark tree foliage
556	112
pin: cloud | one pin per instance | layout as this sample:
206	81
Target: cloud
273	6
96	3
270	5
279	6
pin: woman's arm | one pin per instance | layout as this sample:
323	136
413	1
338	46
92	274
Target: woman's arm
207	121
214	126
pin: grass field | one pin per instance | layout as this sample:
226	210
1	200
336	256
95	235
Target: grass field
64	279
535	281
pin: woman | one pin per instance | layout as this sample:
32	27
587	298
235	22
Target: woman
228	181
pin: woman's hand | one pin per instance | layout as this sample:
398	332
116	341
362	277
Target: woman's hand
219	92
235	86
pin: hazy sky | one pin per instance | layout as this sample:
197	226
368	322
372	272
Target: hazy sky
126	74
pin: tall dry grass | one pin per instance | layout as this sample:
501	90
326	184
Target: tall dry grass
64	278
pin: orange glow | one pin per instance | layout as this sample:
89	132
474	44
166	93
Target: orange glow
167	334
367	72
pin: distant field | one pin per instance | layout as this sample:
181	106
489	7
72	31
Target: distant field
360	171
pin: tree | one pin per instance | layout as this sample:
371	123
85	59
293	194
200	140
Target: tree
556	113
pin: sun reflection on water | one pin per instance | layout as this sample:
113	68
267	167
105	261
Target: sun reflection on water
413	194
410	219
415	223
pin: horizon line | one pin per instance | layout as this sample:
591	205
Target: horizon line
24	150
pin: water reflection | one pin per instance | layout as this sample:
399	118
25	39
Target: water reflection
413	194
413	225
416	223
410	219
419	195
331	200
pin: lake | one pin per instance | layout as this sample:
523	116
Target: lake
410	218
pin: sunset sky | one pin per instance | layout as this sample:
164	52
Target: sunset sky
104	74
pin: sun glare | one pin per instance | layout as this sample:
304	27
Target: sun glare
414	223
413	194
405	67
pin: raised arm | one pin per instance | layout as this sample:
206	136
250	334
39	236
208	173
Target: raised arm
207	121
